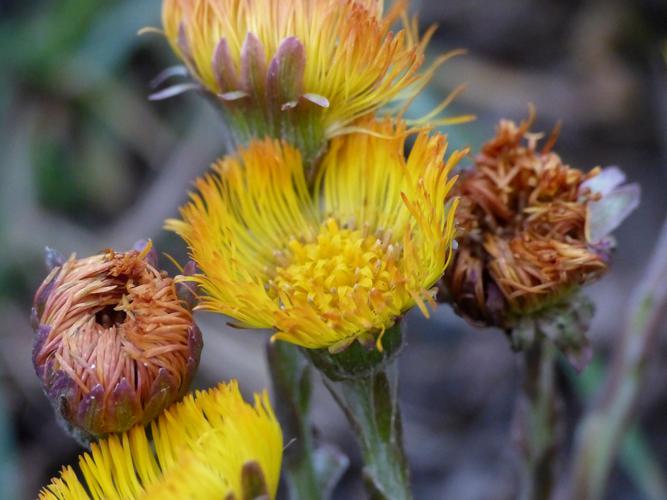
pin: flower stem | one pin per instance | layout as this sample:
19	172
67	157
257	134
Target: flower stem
370	404
311	470
536	421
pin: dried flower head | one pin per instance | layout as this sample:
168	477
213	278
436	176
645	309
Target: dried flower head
533	229
302	70
210	445
328	267
115	345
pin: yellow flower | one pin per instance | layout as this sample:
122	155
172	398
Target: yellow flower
210	445
328	267
302	70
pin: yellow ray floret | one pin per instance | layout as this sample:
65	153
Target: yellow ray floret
326	268
200	448
339	54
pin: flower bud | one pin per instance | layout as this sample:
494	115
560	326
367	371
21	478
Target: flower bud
533	229
114	344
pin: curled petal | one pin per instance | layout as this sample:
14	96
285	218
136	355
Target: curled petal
166	74
173	91
53	258
605	182
608	213
320	100
234	95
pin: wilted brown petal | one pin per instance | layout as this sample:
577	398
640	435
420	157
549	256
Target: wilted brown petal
523	222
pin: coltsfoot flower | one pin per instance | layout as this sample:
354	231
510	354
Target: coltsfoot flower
323	268
533	229
115	345
301	70
210	445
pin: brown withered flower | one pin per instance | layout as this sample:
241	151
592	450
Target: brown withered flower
532	229
115	343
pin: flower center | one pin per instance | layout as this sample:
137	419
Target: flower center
108	317
338	272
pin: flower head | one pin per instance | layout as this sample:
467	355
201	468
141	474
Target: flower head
115	345
328	267
533	228
302	70
210	445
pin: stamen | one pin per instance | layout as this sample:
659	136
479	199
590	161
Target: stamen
331	273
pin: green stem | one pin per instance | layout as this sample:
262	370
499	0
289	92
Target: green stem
537	418
370	403
311	470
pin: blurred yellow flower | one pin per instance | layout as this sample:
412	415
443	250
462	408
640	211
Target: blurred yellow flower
210	445
330	266
302	70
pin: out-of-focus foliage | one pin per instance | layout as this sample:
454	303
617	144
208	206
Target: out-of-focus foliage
8	465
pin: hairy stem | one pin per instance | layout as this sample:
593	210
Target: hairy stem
370	403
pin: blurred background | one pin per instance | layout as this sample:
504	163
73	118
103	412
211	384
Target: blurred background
87	162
